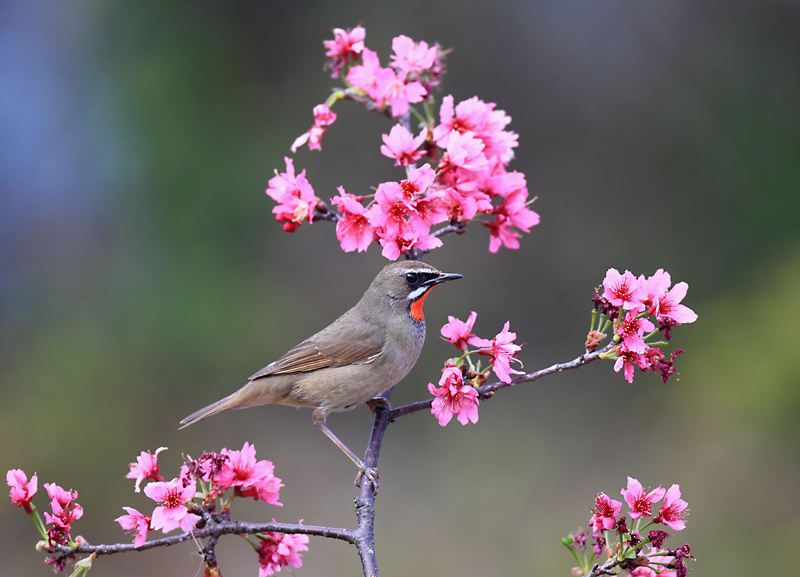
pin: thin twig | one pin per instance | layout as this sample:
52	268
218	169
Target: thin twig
483	390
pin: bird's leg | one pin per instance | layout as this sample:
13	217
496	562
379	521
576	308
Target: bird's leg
370	472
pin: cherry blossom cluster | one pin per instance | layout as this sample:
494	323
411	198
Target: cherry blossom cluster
639	550
186	502
466	149
624	303
63	510
456	394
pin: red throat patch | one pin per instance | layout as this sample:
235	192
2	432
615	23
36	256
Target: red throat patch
416	306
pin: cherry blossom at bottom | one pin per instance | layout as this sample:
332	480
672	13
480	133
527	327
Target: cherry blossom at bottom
276	550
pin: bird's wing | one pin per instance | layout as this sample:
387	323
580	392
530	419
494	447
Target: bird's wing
320	353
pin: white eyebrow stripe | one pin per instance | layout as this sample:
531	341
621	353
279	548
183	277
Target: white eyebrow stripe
418	292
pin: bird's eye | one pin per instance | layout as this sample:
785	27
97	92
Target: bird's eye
411	278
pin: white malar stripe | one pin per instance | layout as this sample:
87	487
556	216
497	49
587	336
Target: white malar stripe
418	292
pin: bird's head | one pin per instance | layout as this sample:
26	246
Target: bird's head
407	283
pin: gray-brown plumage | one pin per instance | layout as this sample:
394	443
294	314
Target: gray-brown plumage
363	353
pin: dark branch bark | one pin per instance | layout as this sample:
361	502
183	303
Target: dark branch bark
214	530
365	510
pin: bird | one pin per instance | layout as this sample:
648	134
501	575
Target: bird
363	353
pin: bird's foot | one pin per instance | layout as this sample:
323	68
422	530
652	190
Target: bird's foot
381	402
371	473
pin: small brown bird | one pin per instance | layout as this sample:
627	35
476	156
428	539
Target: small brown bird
363	353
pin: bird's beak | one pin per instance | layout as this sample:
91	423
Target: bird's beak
443	277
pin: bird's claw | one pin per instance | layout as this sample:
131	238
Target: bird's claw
371	473
381	402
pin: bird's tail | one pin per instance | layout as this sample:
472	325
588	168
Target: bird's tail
228	402
275	389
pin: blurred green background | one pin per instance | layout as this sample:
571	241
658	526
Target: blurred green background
143	276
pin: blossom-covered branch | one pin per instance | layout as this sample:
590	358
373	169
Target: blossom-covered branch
637	551
488	389
466	151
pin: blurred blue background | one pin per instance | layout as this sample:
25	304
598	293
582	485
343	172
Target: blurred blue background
142	275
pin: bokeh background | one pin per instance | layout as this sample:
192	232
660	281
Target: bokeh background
143	276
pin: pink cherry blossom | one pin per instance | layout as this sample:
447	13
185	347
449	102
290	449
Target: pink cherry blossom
497	181
672	511
460	205
639	500
344	48
669	310
465	151
345	41
394	198
482	120
513	212
631	330
401	145
502	350
392	89
623	290
426	205
629	360
22	490
395	244
429	209
250	477
65	511
313	136
654	287
501	233
172	512
448	122
352	229
643	571
389	214
401	217
295	197
515	207
323	116
459	332
63	505
145	467
453	397
276	550
365	75
411	57
135	521
604	514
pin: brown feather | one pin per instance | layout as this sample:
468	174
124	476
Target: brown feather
313	354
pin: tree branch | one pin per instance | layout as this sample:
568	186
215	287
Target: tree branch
488	389
365	510
215	529
604	569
